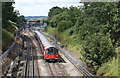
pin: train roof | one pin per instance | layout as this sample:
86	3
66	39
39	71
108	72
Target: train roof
46	43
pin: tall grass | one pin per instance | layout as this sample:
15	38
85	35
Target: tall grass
109	69
6	38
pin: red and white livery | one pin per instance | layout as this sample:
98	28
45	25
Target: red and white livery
50	50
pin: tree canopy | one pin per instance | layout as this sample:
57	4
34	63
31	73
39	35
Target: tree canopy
8	13
97	26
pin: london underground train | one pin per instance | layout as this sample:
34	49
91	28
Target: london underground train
50	51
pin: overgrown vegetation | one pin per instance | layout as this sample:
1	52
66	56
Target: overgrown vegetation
109	68
10	20
93	27
6	37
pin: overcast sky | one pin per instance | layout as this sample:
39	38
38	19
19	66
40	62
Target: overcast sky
41	7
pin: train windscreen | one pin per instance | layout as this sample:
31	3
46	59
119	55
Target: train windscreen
52	51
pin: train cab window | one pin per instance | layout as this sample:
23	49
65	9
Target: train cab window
52	51
55	51
47	52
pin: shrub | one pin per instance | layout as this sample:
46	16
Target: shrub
6	37
63	25
98	49
11	28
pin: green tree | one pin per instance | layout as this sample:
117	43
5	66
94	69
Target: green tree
57	18
63	25
98	49
73	12
8	13
54	11
97	26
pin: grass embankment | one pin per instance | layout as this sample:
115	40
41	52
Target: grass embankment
67	38
109	69
8	35
6	38
71	41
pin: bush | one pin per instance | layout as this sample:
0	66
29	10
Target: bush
6	37
57	18
71	32
98	49
63	25
11	28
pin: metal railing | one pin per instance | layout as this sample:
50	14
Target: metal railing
10	48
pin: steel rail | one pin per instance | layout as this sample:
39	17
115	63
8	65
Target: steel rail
57	69
32	62
49	68
85	72
33	57
26	68
29	48
65	74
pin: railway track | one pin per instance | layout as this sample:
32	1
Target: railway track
56	69
50	71
64	73
36	66
29	56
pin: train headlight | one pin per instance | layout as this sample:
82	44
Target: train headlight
47	55
56	56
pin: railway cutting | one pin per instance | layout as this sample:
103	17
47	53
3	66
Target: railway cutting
41	57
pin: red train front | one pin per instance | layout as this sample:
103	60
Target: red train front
51	53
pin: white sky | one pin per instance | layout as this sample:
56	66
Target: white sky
41	7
